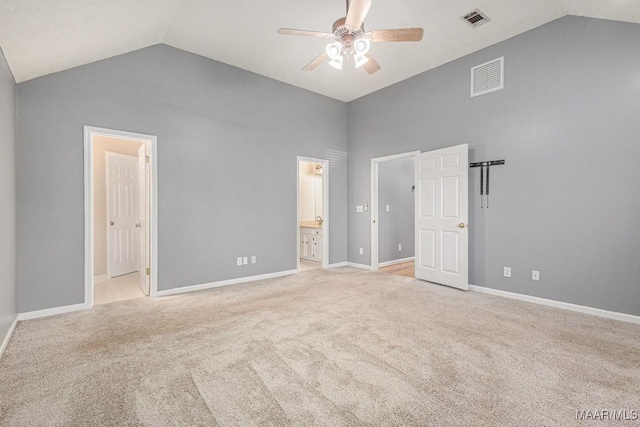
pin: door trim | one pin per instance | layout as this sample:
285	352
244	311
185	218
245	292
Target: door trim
325	209
374	201
108	156
89	133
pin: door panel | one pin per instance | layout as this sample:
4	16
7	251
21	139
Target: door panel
122	214
428	245
442	216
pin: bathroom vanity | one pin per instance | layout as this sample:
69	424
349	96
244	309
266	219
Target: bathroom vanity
311	241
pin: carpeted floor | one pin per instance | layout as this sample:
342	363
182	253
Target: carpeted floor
340	347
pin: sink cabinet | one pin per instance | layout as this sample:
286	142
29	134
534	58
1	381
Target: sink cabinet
311	244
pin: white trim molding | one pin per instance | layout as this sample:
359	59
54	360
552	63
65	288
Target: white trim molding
5	341
51	312
337	265
228	282
360	266
396	261
558	304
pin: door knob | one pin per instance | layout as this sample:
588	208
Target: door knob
112	223
138	225
461	225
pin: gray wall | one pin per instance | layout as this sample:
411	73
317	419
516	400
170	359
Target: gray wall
227	146
568	124
395	179
7	198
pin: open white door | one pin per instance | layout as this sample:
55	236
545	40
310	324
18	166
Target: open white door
122	214
442	239
143	223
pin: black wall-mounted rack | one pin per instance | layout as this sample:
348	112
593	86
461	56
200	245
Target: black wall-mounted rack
484	190
491	163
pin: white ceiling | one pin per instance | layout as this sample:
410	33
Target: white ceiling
40	38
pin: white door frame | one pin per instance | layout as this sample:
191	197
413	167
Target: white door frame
374	201
108	156
89	133
325	209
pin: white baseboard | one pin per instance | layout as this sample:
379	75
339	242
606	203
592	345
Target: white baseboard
360	266
194	288
51	311
558	304
337	265
5	341
396	261
101	278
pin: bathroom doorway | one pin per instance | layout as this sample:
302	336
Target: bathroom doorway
313	214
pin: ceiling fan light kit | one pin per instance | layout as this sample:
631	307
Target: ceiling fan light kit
350	39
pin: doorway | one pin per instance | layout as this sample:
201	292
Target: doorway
312	227
393	213
120	216
440	215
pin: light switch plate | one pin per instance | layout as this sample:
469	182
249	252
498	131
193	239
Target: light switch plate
239	261
359	208
388	208
535	275
507	272
245	261
361	251
399	247
253	259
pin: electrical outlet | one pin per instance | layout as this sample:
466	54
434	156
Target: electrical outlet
399	247
253	259
507	272
361	251
245	261
239	261
388	208
535	275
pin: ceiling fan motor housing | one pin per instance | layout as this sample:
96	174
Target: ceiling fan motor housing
347	35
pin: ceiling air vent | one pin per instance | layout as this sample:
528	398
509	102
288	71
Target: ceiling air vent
487	77
476	18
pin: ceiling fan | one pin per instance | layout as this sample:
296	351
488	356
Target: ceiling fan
350	38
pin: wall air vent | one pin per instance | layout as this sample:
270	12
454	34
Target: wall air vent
487	77
476	18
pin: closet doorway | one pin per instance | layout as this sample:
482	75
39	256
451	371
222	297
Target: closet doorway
120	216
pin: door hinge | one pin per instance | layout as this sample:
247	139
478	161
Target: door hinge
148	271
146	159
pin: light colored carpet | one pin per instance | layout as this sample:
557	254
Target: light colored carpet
339	347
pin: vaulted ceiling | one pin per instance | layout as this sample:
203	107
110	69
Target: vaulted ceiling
39	38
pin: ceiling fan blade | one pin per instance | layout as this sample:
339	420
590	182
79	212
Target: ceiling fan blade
306	33
397	35
317	61
357	11
371	66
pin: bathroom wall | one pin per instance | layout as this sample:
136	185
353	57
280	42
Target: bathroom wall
310	192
